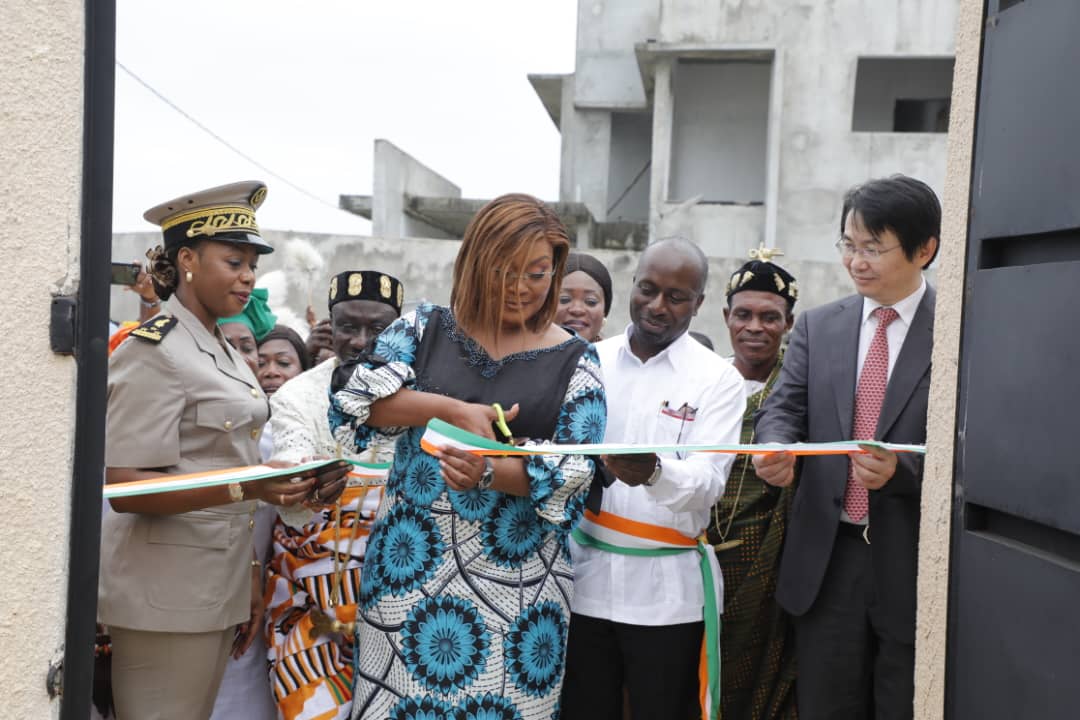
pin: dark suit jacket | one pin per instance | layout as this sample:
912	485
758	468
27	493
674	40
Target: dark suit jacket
814	401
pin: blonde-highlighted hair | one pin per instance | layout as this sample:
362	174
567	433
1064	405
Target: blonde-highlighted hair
501	237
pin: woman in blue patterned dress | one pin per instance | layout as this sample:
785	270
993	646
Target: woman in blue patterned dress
463	607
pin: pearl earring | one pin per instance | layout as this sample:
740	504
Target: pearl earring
188	276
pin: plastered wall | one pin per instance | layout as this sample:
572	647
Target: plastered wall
941	422
41	86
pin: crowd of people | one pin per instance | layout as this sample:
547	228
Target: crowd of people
519	586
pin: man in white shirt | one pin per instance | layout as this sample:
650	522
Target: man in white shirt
637	618
858	368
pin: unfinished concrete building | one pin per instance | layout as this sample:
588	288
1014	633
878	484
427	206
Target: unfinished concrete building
735	122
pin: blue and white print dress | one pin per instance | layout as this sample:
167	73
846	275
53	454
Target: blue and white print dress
464	600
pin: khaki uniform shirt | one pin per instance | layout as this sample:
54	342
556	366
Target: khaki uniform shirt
184	404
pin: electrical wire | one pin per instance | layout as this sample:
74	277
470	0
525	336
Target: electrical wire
194	121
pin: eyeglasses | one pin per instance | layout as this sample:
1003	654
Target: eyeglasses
848	249
533	278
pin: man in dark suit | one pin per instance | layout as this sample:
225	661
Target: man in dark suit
858	368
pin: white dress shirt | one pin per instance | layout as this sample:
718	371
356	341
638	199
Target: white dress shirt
646	404
896	333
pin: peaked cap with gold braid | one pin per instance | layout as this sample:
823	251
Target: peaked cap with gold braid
366	285
765	276
225	213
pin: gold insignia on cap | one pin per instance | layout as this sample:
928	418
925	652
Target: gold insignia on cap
764	254
211	222
780	284
793	290
333	287
356	284
384	287
258	196
400	295
746	277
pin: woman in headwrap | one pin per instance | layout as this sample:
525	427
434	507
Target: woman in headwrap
585	299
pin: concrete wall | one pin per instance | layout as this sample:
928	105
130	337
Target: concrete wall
425	267
937	490
41	95
398	175
721	230
719	131
813	156
607	71
586	144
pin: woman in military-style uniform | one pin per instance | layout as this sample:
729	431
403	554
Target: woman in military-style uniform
178	583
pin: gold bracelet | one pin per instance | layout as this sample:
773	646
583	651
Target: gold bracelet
236	492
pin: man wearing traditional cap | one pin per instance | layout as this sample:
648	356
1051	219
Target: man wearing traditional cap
858	369
311	665
747	525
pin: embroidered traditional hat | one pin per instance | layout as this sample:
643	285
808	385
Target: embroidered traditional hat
225	213
764	275
366	285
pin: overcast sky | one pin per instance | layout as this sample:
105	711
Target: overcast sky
306	88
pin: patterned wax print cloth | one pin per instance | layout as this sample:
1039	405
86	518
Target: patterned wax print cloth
464	599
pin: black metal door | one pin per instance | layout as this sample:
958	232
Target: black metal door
1014	615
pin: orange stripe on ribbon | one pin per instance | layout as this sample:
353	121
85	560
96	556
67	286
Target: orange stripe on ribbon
640	529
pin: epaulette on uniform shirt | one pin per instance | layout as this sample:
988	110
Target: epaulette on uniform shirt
155	329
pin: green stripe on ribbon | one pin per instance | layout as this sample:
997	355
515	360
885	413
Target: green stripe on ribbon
585	539
712	633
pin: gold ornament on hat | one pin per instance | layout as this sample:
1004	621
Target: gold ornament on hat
384	287
400	295
780	284
258	196
356	284
333	288
764	254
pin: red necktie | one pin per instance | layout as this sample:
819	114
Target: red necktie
869	396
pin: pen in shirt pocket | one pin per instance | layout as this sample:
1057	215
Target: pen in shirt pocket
684	414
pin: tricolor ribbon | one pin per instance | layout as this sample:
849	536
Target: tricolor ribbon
441	434
370	473
615	534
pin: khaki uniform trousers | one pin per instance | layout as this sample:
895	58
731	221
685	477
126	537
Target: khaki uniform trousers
167	676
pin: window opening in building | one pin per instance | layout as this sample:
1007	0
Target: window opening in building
902	95
719	138
629	166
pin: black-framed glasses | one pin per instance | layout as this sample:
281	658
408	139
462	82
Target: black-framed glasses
847	249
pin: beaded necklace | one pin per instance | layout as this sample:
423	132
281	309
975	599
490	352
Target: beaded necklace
724	543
